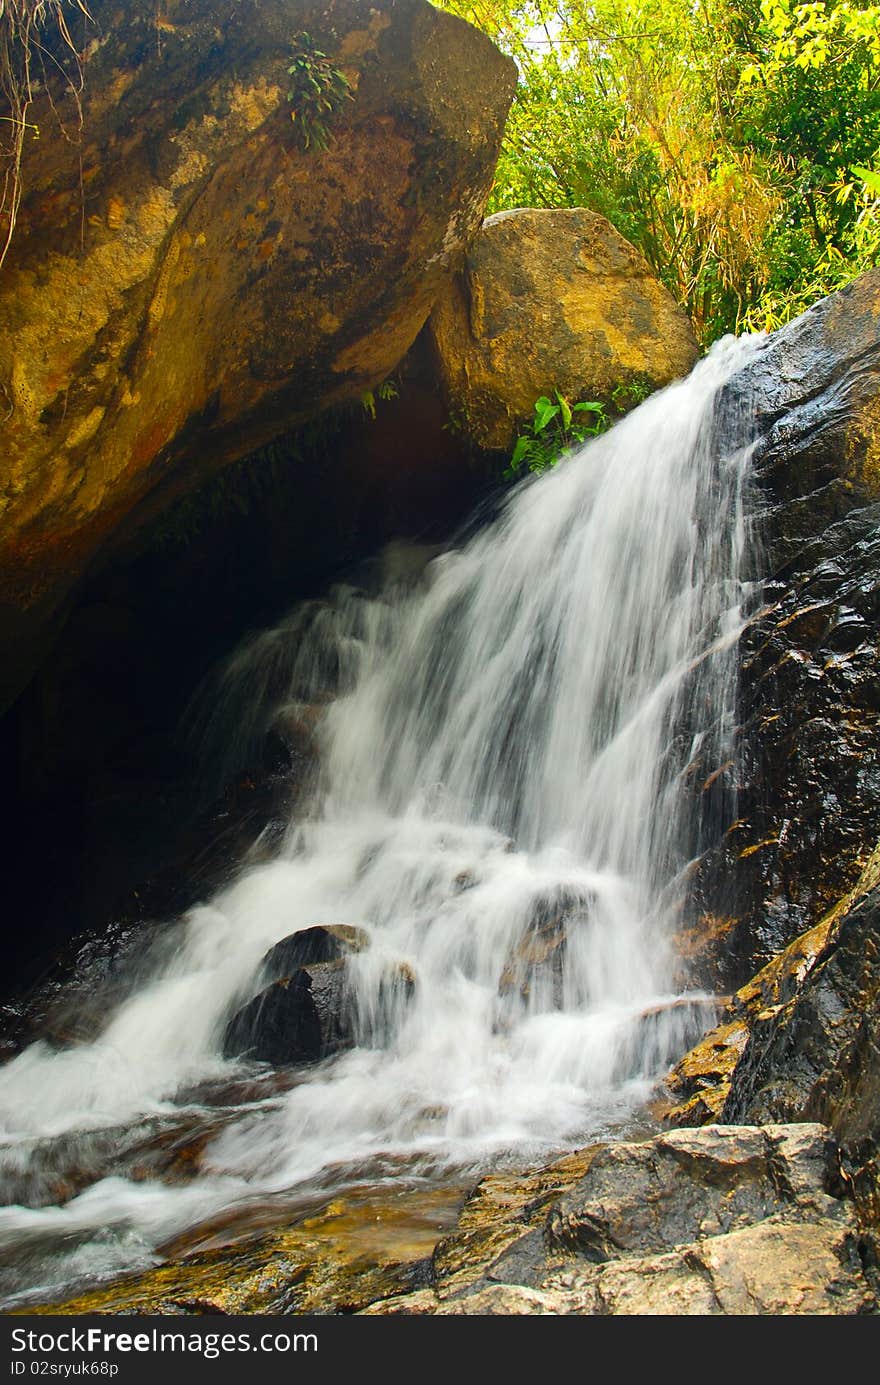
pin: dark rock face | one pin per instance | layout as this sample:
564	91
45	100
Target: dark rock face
808	810
812	403
809	802
818	1056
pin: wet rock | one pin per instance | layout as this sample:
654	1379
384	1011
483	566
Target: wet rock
807	778
326	943
809	809
331	1258
663	1032
552	299
301	1018
310	1009
817	1056
723	1220
802	1045
535	970
699	1083
811	400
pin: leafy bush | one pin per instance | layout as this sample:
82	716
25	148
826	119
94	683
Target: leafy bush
723	138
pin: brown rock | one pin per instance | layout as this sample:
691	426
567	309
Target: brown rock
552	300
723	1220
189	280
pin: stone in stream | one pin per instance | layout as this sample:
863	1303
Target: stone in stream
297	1019
308	1010
330	942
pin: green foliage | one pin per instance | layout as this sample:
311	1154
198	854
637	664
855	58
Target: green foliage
727	139
556	428
627	394
387	390
810	98
317	90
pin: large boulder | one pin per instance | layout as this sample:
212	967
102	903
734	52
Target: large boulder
553	299
187	278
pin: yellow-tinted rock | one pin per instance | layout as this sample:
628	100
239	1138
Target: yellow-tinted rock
230	282
699	1084
552	300
355	1249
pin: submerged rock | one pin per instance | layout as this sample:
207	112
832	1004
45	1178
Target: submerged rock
534	971
334	1258
553	299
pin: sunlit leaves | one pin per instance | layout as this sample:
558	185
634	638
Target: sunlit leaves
721	138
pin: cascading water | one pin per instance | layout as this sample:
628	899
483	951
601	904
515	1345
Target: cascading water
510	743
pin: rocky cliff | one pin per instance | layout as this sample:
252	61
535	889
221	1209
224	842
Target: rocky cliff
199	264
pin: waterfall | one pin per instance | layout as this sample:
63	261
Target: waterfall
508	747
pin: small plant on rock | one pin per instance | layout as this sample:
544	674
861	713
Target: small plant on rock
317	90
386	390
555	429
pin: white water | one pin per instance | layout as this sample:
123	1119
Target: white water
512	736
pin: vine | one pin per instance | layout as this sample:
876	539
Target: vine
25	63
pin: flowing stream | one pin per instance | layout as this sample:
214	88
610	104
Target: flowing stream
510	751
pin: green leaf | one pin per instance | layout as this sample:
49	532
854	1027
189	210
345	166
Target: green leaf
869	177
545	414
520	451
566	409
